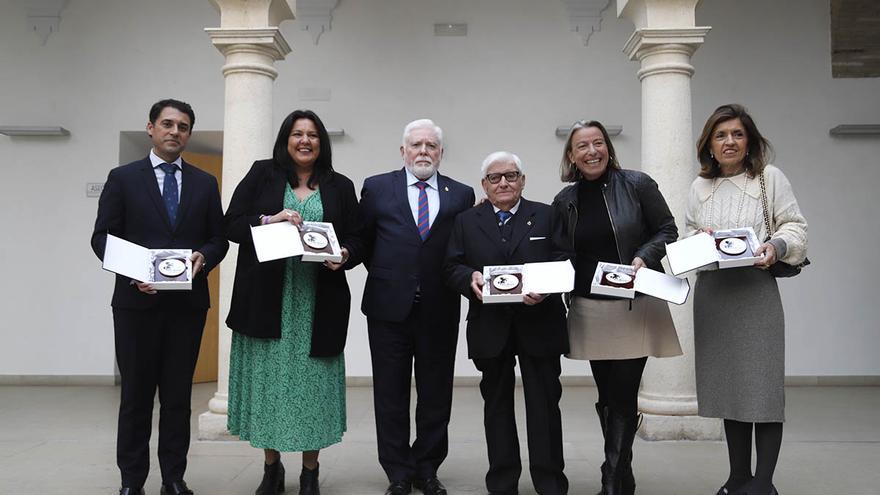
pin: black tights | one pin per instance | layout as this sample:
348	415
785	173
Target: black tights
768	441
618	383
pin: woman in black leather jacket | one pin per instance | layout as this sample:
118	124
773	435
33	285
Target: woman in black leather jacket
616	216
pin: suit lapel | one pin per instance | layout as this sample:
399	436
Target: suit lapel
152	187
401	197
444	193
186	192
522	225
488	223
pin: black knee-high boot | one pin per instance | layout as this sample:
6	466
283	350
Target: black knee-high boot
628	481
273	479
620	431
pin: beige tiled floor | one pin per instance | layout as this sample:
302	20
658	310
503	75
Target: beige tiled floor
60	440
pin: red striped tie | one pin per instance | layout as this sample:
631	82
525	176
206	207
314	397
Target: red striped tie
424	218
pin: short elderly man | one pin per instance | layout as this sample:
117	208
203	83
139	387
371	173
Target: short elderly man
160	201
412	317
510	230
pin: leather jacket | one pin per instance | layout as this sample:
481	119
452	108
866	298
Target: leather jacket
640	219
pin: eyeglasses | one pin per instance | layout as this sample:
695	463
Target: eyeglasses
509	176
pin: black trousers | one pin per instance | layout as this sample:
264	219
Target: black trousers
155	348
428	342
542	390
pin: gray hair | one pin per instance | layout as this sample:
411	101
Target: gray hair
423	124
499	156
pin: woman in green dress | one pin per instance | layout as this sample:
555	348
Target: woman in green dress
290	318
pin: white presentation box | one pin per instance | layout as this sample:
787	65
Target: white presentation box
319	242
701	250
141	264
550	277
747	258
275	241
314	241
646	281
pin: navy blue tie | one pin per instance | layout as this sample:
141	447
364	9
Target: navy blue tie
169	191
503	224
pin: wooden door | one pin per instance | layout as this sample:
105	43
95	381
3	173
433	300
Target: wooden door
206	366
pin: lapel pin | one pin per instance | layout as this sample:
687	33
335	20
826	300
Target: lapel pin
529	222
446	188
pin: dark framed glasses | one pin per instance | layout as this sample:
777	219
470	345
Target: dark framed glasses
509	176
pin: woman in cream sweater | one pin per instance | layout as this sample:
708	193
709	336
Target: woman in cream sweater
739	327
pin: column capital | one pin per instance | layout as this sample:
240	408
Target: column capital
647	40
268	40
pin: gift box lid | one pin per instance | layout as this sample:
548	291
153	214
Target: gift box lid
275	241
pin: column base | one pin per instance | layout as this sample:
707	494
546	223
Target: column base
663	427
212	426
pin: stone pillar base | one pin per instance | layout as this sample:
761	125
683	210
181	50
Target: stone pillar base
212	426
662	427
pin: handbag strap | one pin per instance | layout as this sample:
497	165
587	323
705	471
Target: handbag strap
767	224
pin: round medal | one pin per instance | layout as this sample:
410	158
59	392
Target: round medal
505	282
732	246
617	278
172	267
315	240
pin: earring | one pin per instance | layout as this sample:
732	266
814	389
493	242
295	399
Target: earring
712	155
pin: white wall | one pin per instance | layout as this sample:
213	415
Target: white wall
517	75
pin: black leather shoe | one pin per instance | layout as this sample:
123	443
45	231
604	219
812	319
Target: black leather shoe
398	488
175	488
430	486
131	491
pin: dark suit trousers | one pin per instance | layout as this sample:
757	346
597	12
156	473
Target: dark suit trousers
393	347
542	390
157	347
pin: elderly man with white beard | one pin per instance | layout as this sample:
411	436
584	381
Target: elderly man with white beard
412	317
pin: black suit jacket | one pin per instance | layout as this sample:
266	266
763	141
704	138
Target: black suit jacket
399	263
536	235
131	207
255	309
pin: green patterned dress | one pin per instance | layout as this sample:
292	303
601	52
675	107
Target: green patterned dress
279	397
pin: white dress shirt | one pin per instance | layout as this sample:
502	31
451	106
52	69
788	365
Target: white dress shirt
160	174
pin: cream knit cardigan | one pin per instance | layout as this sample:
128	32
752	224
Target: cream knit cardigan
735	201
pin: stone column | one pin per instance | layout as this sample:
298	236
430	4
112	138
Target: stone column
664	40
250	40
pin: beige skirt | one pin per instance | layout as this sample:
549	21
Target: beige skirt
611	329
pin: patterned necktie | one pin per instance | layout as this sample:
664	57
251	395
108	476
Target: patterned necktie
424	218
169	191
503	224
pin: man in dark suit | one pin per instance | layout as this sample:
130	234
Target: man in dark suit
412	317
510	230
160	202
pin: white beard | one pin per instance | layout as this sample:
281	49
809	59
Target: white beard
423	171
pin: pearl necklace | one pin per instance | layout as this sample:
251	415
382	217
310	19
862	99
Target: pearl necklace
715	185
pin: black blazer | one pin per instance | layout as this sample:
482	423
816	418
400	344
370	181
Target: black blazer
131	207
536	235
255	309
399	263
